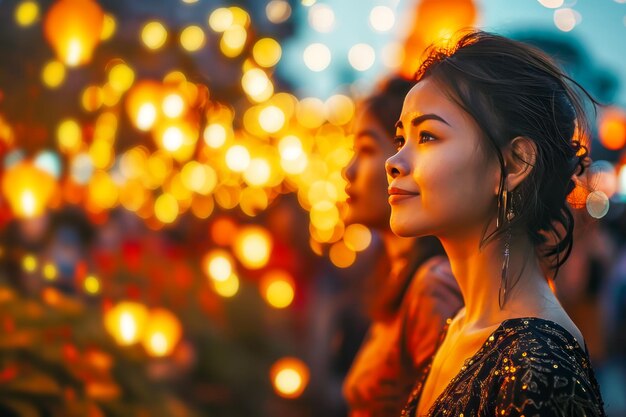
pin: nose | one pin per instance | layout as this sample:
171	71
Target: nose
349	171
396	166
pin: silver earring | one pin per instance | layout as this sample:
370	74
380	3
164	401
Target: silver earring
505	215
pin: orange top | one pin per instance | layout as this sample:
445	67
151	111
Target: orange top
395	350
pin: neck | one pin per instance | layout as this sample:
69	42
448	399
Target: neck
397	248
478	272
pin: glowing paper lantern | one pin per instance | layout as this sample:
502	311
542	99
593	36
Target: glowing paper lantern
74	29
126	322
29	189
435	21
612	128
162	333
289	376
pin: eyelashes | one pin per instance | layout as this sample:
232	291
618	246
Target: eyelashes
398	142
424	136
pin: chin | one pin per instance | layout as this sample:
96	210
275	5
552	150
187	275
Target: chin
406	229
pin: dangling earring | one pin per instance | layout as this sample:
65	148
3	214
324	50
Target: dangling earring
506	213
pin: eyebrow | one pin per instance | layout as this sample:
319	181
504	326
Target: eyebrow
420	119
365	132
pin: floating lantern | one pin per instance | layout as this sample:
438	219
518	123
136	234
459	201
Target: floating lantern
612	129
435	22
74	29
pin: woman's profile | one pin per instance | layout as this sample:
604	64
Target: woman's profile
416	294
487	147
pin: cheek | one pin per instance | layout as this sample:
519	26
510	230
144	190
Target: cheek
453	181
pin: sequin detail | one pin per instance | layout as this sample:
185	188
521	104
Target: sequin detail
528	366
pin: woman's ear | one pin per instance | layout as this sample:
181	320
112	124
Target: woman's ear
519	160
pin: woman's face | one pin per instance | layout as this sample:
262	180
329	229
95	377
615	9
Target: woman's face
367	183
440	181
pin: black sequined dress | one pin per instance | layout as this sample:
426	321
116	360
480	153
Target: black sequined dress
526	367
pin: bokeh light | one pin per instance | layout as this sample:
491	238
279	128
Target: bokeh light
53	74
361	56
192	38
322	18
26	13
317	57
290	377
218	265
154	35
382	18
277	288
278	11
162	332
267	52
566	19
227	288
221	19
253	246
126	322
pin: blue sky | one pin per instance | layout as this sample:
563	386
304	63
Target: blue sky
602	30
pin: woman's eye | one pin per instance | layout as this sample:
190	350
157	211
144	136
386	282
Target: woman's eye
426	137
365	150
398	142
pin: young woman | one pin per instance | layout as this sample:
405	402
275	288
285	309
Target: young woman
416	295
486	153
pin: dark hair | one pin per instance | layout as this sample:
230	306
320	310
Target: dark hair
385	103
512	89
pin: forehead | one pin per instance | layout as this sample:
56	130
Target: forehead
428	97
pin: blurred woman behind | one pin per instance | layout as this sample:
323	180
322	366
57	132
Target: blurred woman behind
416	295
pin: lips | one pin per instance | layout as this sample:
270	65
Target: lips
351	196
399	194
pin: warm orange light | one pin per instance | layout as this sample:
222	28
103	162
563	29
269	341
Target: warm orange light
28	189
92	284
126	322
277	287
228	288
143	103
289	376
612	129
74	28
162	332
218	265
27	13
253	246
29	263
357	237
341	255
223	231
53	74
435	22
154	35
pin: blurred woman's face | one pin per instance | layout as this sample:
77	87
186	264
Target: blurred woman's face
440	180
365	174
